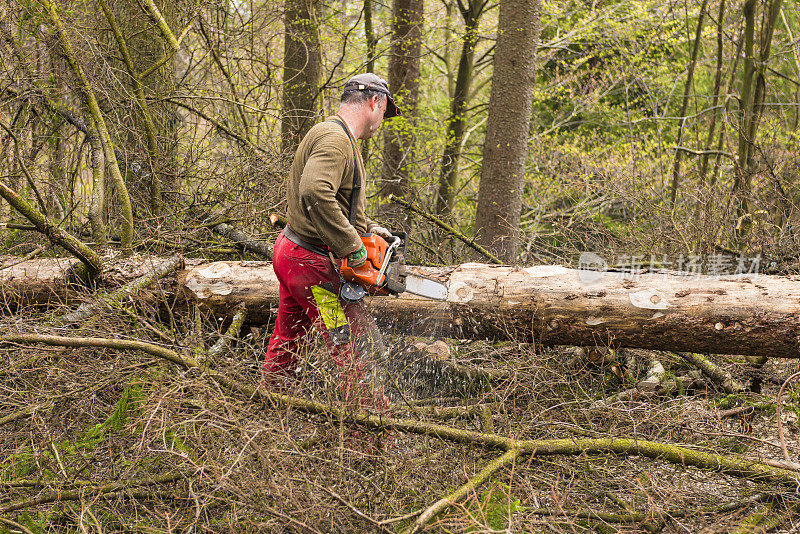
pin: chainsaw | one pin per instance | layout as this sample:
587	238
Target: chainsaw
385	273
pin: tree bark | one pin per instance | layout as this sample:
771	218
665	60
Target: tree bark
507	129
398	139
302	68
753	315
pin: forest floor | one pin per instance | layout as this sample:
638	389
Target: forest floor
102	440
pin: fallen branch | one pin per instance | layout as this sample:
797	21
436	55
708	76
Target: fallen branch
241	239
35	252
778	406
717	375
765	519
277	220
74	495
15	525
447	228
86	310
17	226
475	482
90	258
224	341
638	517
665	388
741	468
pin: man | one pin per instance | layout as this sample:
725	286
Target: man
325	218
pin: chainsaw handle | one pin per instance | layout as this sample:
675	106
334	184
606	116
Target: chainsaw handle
403	240
396	242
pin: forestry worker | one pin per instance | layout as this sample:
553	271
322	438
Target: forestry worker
325	218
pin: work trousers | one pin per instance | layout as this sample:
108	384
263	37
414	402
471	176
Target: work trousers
309	299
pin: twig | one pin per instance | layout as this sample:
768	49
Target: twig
17	415
447	228
742	468
269	510
218	125
74	495
355	510
25	170
405	517
442	504
636	517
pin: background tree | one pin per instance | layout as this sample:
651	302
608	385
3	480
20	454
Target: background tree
457	121
404	71
753	90
302	64
505	149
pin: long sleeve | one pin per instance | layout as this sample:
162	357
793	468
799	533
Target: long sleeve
320	181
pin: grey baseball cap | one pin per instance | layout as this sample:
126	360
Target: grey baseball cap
373	82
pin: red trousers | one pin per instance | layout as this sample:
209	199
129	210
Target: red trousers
309	298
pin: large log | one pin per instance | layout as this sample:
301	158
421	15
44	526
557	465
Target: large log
752	314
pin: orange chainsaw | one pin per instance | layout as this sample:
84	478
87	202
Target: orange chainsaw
384	272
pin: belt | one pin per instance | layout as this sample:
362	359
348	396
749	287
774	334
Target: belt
297	240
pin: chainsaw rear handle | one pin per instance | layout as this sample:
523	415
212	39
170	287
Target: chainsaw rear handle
372	275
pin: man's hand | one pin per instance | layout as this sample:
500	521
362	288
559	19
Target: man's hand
381	231
357	258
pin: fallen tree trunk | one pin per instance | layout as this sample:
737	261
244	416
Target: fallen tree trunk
755	315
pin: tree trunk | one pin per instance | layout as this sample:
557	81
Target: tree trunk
302	68
687	93
398	139
150	145
457	121
556	306
753	91
748	314
508	126
715	99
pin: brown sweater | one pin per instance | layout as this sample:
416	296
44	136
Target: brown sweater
319	188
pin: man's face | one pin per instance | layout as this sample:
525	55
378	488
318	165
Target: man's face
376	106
